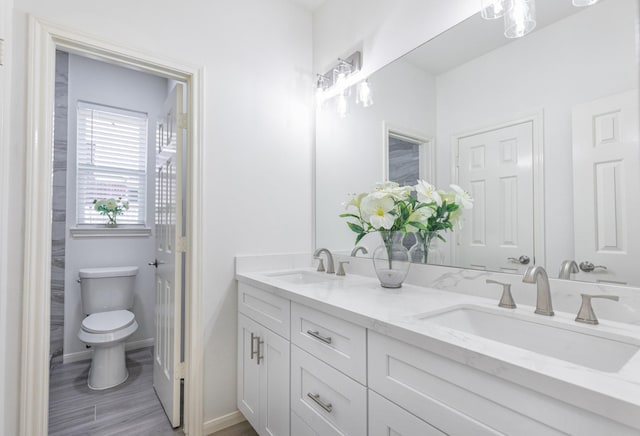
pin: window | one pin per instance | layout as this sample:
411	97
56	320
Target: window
111	161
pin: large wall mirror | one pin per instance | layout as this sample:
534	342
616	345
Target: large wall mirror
542	131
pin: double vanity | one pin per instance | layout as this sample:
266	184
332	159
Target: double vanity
320	354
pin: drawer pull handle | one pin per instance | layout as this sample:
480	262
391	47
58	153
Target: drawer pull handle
253	352
316	397
318	336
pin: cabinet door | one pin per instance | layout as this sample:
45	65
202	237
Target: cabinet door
385	418
274	384
248	370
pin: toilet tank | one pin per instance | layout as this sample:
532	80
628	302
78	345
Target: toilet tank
104	289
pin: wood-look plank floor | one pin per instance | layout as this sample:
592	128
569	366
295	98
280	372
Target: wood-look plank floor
131	409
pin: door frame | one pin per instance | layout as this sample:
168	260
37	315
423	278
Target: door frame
537	170
44	39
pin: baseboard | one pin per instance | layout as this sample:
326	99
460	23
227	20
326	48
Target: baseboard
86	355
222	422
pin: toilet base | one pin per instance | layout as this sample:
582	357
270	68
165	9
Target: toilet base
108	367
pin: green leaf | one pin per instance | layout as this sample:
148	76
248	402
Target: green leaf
359	237
418	225
355	228
349	215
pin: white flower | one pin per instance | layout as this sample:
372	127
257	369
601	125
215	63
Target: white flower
376	210
421	216
393	189
462	198
427	193
354	200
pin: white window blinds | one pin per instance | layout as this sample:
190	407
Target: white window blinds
111	161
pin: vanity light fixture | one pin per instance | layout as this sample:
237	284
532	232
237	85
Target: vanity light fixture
322	84
338	81
492	9
521	19
519	15
363	95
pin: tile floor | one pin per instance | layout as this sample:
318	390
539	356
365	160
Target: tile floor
130	409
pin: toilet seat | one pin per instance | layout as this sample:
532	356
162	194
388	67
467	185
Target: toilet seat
107	322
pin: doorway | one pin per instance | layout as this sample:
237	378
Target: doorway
45	40
107	134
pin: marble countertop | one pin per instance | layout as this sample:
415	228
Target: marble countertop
399	314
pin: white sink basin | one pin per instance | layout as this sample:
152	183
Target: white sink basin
583	346
302	277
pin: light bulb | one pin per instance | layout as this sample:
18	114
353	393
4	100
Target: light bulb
342	105
492	9
581	3
364	94
521	19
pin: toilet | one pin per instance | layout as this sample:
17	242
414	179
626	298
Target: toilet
107	294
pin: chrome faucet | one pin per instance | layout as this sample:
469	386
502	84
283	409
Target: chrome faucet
330	267
566	268
359	248
537	275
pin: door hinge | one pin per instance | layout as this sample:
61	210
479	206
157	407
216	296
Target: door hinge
1	51
182	121
180	371
182	245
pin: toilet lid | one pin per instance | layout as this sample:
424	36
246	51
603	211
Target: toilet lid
105	322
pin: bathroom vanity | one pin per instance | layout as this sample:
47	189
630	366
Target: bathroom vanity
325	355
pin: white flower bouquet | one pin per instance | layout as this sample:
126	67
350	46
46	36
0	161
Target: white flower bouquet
111	207
417	209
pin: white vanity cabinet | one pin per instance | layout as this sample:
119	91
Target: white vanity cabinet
314	369
263	362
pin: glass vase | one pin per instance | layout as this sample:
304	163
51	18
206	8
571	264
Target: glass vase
426	248
391	259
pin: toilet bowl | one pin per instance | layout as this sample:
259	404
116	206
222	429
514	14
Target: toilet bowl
106	333
107	294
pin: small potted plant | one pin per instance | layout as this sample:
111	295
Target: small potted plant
111	207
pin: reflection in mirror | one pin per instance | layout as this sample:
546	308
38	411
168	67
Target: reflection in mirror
542	131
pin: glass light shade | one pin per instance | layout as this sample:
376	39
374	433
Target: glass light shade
364	94
521	19
492	9
342	106
581	3
340	73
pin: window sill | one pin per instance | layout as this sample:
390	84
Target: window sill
110	232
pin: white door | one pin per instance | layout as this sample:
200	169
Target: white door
167	367
495	167
606	185
274	385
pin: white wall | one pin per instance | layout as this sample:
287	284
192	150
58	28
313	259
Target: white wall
350	151
102	83
257	158
591	58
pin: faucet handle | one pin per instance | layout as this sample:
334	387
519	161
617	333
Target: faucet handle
341	271
586	313
507	299
320	264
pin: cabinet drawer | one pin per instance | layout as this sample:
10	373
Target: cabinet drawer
328	401
386	418
461	400
266	308
335	341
